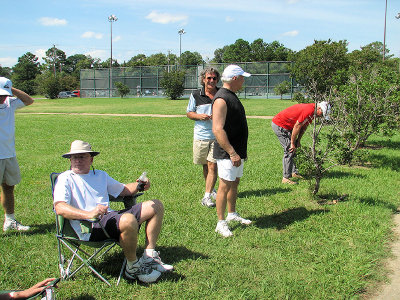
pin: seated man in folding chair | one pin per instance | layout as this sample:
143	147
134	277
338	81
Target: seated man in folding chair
82	194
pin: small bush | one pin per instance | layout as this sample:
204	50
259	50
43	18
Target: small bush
122	89
173	84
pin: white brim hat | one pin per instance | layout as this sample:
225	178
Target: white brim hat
5	87
78	147
326	109
234	70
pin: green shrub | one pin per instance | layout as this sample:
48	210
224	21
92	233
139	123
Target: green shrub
173	84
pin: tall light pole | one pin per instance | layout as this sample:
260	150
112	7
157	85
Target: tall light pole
180	32
384	33
111	19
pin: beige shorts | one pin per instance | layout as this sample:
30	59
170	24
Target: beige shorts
9	171
203	152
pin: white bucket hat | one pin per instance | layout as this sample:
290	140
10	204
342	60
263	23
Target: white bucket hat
326	109
234	70
5	87
80	147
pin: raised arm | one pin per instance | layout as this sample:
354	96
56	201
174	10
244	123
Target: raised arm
24	97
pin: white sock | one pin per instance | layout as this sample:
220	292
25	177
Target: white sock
231	214
221	221
148	252
10	217
129	264
206	195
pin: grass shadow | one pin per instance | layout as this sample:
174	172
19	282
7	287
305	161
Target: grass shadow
112	262
341	174
377	202
35	229
282	220
386	144
264	192
83	297
379	160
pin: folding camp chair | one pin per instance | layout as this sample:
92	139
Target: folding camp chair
68	239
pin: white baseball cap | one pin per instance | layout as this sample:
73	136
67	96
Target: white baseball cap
5	87
234	70
326	109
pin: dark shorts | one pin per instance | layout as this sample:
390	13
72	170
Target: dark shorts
110	223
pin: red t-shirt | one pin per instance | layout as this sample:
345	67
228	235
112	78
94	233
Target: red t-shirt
288	117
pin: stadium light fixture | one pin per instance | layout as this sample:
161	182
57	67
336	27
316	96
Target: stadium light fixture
398	16
180	32
111	19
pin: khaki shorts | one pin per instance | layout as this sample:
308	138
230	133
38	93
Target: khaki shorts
9	171
203	152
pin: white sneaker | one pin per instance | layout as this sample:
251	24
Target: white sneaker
206	201
155	262
214	194
236	217
223	229
14	225
142	272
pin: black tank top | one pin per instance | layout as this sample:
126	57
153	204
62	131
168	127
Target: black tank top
235	125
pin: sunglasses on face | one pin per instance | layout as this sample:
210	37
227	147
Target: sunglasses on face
209	78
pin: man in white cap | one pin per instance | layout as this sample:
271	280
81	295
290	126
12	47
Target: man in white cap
10	100
81	193
289	126
230	150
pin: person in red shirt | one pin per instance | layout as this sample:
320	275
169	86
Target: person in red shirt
289	126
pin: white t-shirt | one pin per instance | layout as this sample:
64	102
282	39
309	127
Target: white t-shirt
85	191
7	126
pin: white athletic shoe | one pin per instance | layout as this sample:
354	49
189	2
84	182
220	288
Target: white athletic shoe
155	262
207	201
14	225
214	194
236	217
223	229
142	272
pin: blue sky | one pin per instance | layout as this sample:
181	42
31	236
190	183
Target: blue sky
151	26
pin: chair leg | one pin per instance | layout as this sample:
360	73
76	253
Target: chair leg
122	270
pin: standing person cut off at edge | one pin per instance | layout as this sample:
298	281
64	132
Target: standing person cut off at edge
11	99
199	110
289	126
230	150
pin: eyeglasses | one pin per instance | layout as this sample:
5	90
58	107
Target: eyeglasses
214	78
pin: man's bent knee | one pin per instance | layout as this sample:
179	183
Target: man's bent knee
128	222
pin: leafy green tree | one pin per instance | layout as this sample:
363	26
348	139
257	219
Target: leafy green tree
5	72
321	66
48	84
122	89
237	52
173	83
158	59
106	64
219	55
25	72
55	59
137	60
191	59
282	88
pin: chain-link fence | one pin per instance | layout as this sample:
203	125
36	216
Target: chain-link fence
145	81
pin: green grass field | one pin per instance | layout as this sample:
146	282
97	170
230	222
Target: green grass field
295	249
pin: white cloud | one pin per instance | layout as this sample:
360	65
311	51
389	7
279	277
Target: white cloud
291	33
8	61
165	18
117	38
229	19
91	34
292	1
40	53
46	21
102	54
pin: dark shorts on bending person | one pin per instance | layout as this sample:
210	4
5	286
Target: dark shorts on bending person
110	223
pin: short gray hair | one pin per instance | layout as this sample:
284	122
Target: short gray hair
208	70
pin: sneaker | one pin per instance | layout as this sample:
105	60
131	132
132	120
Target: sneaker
223	229
236	217
288	181
155	262
14	225
214	194
206	201
142	272
295	175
